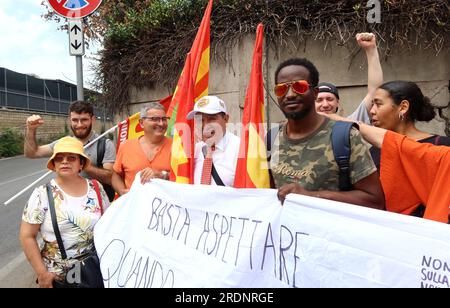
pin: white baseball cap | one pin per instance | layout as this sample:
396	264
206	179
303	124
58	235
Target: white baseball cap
208	105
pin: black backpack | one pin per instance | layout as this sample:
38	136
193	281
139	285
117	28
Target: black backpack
340	142
101	146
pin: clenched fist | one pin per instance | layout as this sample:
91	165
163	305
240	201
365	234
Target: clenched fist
366	40
34	121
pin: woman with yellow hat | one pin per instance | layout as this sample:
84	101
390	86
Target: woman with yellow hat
78	205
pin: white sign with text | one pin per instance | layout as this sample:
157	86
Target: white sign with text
164	234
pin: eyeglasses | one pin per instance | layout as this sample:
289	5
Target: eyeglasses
157	119
69	158
298	86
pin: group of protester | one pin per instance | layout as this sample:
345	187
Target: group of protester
410	175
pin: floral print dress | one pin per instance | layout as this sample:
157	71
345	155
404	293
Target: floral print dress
76	218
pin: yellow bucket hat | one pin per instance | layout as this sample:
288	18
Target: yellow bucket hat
68	145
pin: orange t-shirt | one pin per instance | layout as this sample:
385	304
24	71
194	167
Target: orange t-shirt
131	159
414	173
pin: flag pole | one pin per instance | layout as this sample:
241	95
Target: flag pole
49	172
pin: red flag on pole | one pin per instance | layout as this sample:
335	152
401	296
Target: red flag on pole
192	85
252	167
182	163
200	63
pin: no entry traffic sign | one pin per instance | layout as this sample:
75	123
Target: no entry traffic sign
74	8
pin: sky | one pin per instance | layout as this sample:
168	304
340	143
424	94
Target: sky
31	45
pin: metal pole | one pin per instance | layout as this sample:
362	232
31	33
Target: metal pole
267	77
267	85
80	90
26	188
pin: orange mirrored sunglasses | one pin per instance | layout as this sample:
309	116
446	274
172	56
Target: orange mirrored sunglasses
298	86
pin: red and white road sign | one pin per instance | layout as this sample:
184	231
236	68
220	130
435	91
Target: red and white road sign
73	9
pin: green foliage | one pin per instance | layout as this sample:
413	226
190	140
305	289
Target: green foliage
127	22
11	143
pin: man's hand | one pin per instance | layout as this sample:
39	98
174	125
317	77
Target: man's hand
34	121
147	174
292	188
366	40
123	191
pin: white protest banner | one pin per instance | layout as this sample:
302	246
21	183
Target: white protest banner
343	245
165	234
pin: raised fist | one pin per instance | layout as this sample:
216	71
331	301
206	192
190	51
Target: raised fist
366	40
34	121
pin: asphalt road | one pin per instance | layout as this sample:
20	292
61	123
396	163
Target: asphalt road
16	173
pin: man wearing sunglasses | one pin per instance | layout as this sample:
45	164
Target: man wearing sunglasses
217	151
328	98
149	154
302	159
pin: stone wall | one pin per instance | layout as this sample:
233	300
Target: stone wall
335	64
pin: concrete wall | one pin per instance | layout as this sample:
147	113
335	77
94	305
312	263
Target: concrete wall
53	124
336	65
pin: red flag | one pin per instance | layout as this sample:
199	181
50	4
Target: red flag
181	161
200	62
252	167
192	85
166	102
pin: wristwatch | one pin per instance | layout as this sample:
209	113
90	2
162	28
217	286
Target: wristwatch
164	175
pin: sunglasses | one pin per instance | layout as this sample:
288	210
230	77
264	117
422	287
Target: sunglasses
157	119
298	86
69	158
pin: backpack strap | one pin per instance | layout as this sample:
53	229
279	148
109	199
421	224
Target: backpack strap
437	139
216	176
51	206
340	141
99	196
101	146
271	136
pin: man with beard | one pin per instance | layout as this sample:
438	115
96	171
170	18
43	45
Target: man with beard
81	118
302	159
149	154
217	153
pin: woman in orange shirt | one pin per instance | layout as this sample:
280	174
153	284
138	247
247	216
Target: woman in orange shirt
412	173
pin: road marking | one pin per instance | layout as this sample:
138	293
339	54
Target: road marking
22	177
11	266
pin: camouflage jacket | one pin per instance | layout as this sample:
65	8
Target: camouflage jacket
310	161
